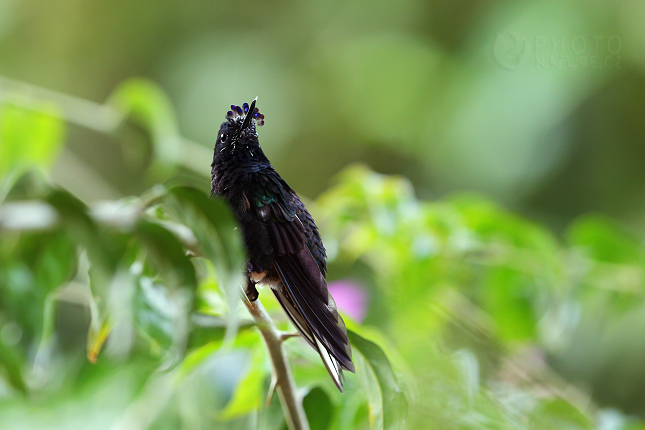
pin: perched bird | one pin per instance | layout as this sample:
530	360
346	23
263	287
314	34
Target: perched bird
281	238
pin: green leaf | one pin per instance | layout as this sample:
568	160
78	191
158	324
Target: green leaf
249	392
11	364
56	262
29	138
83	230
318	408
202	213
169	260
610	261
216	230
103	255
167	254
149	106
197	357
559	414
387	402
507	298
604	240
206	328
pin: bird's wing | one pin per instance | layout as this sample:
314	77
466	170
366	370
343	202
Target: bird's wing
304	297
313	242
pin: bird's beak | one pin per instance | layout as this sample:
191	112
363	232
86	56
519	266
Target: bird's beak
249	115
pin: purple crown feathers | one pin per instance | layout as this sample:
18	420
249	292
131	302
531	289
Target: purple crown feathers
240	112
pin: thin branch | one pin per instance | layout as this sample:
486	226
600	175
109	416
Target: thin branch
85	113
286	386
286	336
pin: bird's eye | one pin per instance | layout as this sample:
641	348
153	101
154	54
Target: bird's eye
223	137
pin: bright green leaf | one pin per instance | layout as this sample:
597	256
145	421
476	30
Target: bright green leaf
604	240
558	414
28	139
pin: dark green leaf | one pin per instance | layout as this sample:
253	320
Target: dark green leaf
10	366
388	403
216	230
83	230
214	226
318	408
167	254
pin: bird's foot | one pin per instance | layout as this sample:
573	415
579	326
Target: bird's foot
251	292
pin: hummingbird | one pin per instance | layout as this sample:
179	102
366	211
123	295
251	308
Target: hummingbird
282	241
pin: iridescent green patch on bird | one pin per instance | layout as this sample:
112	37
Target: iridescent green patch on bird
263	200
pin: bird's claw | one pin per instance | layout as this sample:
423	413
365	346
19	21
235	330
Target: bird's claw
251	292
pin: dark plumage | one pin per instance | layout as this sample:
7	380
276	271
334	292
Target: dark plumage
284	248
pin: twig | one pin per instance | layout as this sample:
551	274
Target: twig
286	336
291	403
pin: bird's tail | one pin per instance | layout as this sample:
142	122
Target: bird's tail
306	300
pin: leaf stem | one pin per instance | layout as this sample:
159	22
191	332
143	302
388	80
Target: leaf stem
286	386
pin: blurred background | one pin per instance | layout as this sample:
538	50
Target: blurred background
536	105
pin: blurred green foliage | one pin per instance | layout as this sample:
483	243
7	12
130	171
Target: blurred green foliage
146	287
537	103
119	296
124	314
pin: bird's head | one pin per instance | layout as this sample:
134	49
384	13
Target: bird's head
238	131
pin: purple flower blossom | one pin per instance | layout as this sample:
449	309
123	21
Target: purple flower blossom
351	299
